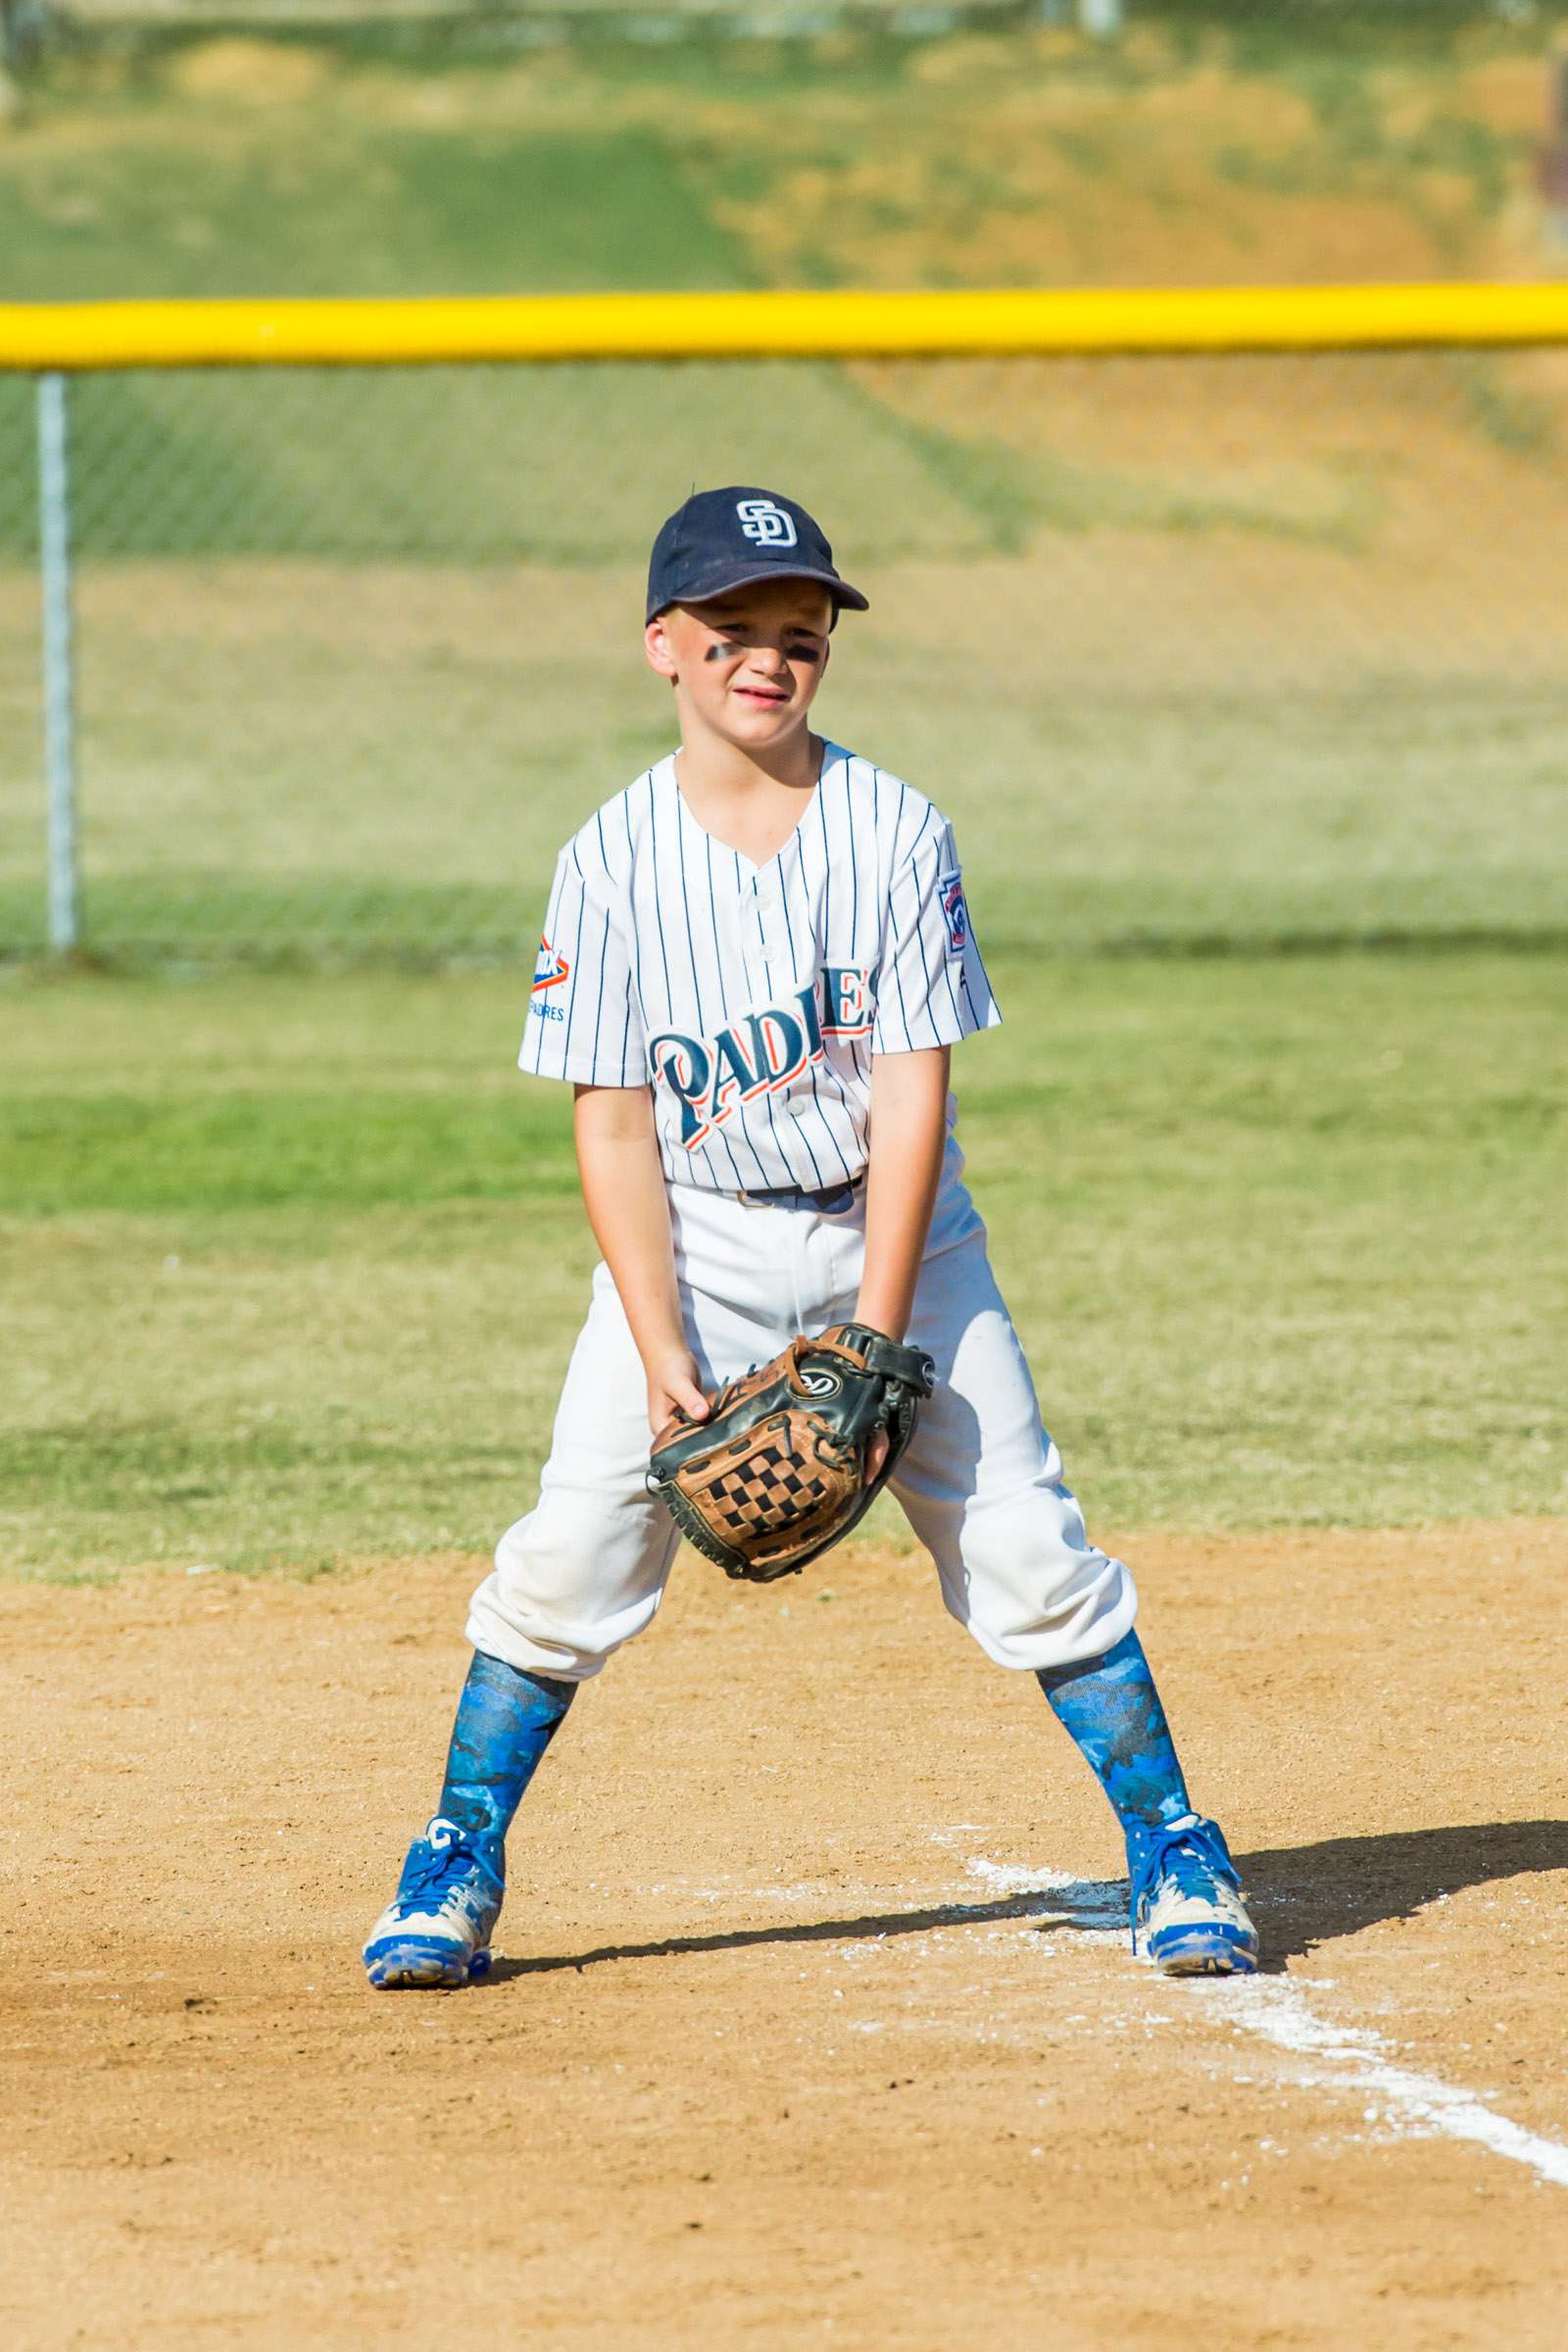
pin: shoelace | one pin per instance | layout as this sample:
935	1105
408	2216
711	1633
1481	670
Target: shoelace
1183	1854
445	1862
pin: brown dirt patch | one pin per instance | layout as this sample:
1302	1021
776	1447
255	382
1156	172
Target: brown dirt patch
783	2053
1509	94
989	174
256	73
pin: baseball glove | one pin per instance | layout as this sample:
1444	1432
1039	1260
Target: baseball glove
777	1472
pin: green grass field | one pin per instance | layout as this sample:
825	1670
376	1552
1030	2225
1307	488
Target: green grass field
291	1268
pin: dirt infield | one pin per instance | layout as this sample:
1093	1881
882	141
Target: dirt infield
816	2024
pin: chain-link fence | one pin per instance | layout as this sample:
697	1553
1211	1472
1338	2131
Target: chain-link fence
1240	649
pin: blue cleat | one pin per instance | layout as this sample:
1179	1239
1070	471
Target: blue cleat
1188	1916
437	1928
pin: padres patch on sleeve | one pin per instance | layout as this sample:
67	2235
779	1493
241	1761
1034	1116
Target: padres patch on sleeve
549	972
954	914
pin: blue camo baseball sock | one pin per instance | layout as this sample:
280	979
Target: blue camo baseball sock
1111	1709
506	1720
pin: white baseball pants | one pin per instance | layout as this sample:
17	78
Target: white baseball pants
980	1482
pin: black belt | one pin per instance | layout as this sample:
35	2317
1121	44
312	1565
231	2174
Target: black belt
830	1202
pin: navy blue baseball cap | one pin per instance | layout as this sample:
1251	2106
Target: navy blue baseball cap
723	539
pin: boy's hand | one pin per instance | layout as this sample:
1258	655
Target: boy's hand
673	1387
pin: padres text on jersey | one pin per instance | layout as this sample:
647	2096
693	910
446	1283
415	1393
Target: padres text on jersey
753	998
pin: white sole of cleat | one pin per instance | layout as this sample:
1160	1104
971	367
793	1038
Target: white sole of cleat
1205	1959
419	1966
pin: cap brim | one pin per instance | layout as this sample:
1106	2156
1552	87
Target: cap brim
722	581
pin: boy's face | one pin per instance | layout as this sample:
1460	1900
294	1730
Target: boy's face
749	661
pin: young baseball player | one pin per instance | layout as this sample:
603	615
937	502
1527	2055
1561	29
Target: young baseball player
757	959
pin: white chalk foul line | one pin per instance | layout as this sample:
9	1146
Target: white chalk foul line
1335	2057
1096	1904
1350	2058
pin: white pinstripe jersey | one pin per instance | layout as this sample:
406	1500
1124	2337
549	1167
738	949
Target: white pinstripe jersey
752	997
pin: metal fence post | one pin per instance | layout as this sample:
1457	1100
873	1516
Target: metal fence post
59	665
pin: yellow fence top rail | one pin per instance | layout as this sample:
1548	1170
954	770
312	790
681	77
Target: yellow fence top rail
42	337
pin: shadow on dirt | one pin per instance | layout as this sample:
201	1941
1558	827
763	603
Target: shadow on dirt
1306	1895
1302	1896
1061	1903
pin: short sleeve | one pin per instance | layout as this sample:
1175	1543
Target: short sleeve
932	987
584	1019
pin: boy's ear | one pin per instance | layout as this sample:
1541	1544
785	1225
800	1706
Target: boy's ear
661	652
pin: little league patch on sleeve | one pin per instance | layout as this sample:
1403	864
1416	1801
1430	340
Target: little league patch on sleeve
954	914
